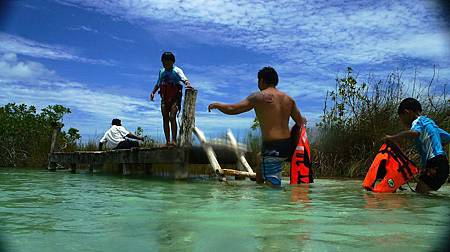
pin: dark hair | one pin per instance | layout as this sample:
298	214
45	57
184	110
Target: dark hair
410	104
269	75
168	56
116	122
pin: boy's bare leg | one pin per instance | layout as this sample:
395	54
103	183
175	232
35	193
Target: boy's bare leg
173	123
165	115
422	187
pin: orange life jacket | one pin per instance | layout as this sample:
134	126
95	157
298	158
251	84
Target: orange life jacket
301	159
392	167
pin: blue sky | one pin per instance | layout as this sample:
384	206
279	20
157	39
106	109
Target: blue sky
101	58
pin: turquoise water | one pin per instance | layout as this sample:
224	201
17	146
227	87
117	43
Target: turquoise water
41	211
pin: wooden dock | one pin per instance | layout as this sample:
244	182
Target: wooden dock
174	162
180	162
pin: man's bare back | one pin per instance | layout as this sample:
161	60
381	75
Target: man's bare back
273	109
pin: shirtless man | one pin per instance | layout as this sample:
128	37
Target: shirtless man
273	109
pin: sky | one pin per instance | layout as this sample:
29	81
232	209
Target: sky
101	58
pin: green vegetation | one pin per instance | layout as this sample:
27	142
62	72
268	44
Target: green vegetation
26	135
357	115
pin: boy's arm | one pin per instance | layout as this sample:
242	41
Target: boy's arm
183	77
156	87
402	135
233	109
445	136
152	94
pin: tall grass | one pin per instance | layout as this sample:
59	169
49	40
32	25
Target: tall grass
357	115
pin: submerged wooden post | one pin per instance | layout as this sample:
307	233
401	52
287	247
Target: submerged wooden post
187	118
56	129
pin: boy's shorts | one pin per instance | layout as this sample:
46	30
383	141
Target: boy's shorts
274	153
435	173
167	105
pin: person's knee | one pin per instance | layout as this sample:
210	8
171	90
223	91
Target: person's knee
172	117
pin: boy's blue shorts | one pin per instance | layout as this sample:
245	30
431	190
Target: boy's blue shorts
436	172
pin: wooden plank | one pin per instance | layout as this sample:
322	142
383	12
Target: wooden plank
209	151
231	172
239	154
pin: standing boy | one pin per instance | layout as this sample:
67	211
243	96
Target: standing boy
169	83
429	139
273	109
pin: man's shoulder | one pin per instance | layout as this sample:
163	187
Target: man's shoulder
284	96
255	96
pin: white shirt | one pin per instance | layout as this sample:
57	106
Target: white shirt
114	136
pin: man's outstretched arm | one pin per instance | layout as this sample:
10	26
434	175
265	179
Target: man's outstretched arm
233	109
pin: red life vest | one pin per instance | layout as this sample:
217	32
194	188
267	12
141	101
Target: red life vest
392	167
169	92
301	158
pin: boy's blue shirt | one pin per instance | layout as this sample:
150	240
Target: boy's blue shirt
173	76
431	138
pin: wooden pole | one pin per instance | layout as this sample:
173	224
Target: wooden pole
231	172
187	118
209	151
240	155
56	129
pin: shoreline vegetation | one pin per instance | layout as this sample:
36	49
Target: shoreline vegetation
356	115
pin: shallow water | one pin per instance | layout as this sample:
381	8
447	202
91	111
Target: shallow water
42	211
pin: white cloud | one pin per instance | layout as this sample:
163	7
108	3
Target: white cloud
122	39
19	45
83	28
13	69
317	33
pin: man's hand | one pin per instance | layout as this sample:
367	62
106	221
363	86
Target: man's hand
212	106
152	96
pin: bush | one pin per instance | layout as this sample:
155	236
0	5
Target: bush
26	135
357	115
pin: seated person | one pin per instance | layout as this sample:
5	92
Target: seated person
116	137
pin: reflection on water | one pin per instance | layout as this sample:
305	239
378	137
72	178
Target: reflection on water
42	211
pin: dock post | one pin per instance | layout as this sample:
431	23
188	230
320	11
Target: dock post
186	128
56	129
187	118
126	169
73	168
